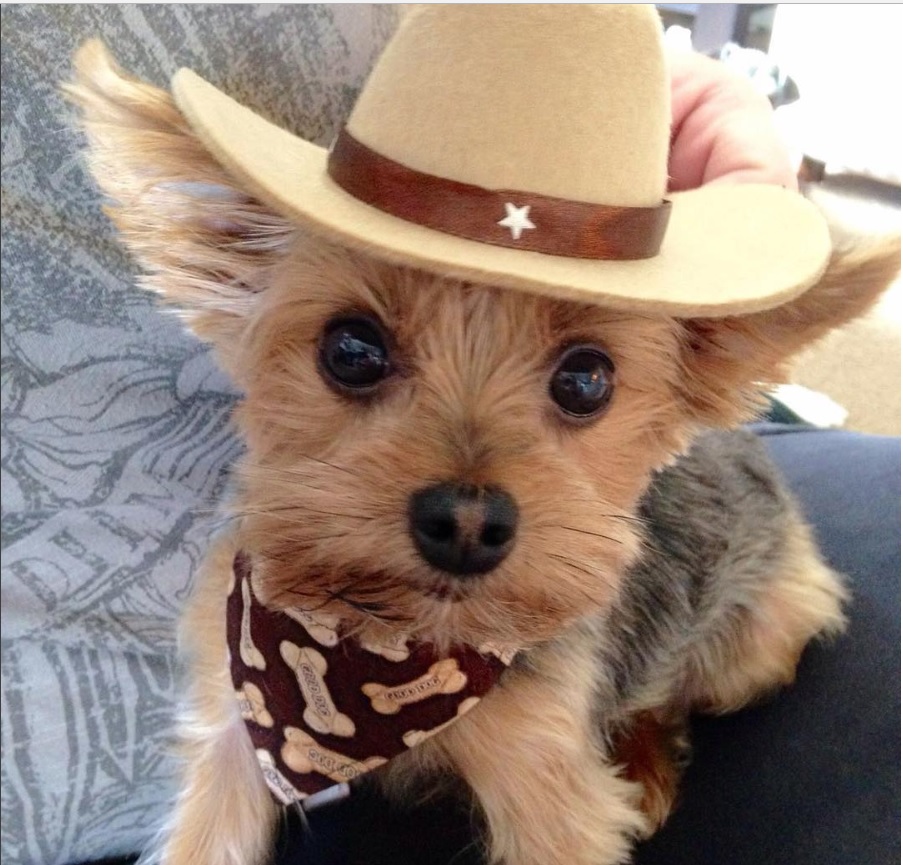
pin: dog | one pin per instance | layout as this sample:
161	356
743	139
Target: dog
432	460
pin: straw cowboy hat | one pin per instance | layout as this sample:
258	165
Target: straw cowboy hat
525	147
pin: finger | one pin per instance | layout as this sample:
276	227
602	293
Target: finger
723	130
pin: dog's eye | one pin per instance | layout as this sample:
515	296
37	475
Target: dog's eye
353	354
583	382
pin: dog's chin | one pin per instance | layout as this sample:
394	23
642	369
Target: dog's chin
446	588
421	602
362	599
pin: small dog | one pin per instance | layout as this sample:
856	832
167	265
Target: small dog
420	466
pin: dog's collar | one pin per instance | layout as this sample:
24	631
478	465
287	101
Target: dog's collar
322	709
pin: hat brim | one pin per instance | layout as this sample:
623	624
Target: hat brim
730	249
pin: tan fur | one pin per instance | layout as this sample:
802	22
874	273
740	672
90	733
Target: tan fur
768	636
756	652
729	359
536	765
323	487
205	243
528	751
480	354
224	814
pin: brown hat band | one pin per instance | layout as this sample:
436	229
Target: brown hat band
501	217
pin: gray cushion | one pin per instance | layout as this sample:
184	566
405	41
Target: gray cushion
115	428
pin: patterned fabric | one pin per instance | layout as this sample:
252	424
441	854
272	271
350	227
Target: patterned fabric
115	435
322	709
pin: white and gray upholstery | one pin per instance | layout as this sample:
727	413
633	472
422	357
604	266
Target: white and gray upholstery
115	435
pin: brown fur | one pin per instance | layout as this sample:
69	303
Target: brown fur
744	658
761	652
652	751
324	485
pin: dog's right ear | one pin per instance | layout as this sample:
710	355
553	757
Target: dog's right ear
207	246
728	363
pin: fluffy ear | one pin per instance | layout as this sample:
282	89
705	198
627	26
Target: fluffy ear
728	361
206	245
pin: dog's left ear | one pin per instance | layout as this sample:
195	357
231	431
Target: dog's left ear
206	244
728	362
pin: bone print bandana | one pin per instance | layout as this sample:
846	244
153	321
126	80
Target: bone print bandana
322	709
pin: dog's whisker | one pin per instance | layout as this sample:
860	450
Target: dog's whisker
374	610
323	602
290	470
589	570
624	517
314	539
323	462
300	510
602	515
364	590
594	534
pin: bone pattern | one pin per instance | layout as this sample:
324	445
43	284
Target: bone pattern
310	667
443	677
414	737
303	754
312	692
250	654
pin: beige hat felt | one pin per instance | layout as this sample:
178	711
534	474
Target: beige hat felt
525	147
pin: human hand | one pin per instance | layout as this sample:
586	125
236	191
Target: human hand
723	130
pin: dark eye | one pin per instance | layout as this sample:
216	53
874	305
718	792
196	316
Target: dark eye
353	354
583	382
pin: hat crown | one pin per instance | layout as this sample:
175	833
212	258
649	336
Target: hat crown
566	101
557	102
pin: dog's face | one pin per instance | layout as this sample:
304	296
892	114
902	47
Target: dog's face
455	461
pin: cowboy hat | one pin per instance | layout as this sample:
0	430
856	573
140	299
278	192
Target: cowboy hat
525	147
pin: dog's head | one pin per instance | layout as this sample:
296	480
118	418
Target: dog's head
457	462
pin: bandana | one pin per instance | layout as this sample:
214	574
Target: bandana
322	708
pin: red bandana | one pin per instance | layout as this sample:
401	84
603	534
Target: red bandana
322	709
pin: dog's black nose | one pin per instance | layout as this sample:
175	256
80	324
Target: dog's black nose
464	530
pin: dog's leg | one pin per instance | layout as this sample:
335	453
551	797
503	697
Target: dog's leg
533	760
653	748
224	814
754	649
760	647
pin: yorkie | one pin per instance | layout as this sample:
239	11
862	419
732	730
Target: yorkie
483	530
